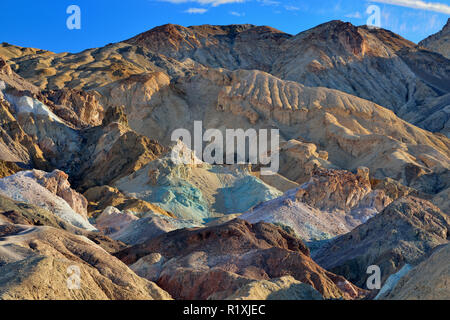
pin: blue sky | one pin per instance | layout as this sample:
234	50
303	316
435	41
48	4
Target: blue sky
42	24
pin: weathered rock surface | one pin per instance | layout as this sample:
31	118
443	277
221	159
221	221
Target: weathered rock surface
196	191
206	261
31	132
439	42
392	188
8	168
354	132
441	200
430	280
150	226
284	288
111	63
34	259
334	189
103	197
113	220
405	232
15	144
77	107
232	47
332	203
115	144
299	159
14	212
26	187
332	51
9	51
57	183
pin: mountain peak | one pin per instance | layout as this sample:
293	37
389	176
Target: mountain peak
209	44
214	29
333	25
174	31
439	42
334	35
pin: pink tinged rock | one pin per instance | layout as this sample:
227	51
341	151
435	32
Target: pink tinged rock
57	183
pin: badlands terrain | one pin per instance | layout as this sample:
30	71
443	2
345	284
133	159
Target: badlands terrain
88	184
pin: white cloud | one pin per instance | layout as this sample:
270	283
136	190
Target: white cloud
291	8
269	2
418	4
237	14
354	15
213	3
196	10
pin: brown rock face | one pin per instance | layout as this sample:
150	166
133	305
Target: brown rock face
232	47
105	196
299	159
392	188
405	232
15	144
220	259
335	189
8	168
77	107
112	220
115	159
57	182
115	114
4	67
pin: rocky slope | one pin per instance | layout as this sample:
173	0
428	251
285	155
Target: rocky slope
231	47
32	259
354	132
46	191
39	250
284	288
102	197
256	99
13	212
150	226
8	168
89	69
430	280
196	191
439	42
80	108
332	52
79	142
332	203
405	232
197	263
